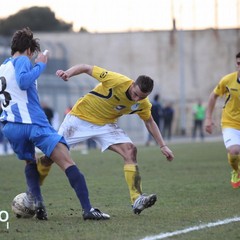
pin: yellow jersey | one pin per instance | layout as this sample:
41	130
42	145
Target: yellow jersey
108	100
229	86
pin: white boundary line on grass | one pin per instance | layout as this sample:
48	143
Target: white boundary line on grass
194	228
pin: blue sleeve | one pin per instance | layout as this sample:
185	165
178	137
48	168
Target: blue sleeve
26	74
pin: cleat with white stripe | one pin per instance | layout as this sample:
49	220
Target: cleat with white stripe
144	201
95	214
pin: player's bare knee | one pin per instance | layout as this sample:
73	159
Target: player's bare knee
131	152
234	150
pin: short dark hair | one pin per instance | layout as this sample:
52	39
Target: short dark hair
238	55
145	83
22	40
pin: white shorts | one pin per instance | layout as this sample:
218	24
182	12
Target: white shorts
76	130
231	137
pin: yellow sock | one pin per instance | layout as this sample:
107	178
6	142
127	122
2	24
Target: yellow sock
233	160
43	166
133	180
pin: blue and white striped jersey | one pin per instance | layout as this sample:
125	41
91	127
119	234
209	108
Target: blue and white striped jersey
18	91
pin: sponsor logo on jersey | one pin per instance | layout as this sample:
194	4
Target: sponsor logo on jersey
103	74
120	107
135	107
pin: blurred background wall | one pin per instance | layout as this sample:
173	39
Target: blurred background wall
186	66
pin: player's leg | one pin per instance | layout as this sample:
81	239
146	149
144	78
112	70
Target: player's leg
55	147
44	163
32	179
112	137
231	139
133	179
131	171
132	176
61	157
43	166
234	161
18	136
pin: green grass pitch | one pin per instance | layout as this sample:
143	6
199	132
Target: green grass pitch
193	189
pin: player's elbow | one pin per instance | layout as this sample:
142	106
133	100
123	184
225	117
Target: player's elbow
23	86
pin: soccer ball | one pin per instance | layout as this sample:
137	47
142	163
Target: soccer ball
20	209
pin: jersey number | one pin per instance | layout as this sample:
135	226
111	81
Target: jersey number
6	95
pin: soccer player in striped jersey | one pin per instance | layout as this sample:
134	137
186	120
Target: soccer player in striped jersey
94	116
228	87
26	125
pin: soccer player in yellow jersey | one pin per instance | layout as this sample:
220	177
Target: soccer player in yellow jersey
94	116
229	86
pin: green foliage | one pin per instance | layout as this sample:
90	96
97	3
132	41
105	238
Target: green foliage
193	189
37	18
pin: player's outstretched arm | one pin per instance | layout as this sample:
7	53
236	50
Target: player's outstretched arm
75	70
155	132
208	123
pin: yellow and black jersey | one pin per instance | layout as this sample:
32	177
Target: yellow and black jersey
229	86
108	100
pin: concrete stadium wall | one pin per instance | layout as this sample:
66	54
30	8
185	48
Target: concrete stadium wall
186	65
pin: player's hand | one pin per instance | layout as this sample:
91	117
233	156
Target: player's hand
208	124
167	153
41	58
62	74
